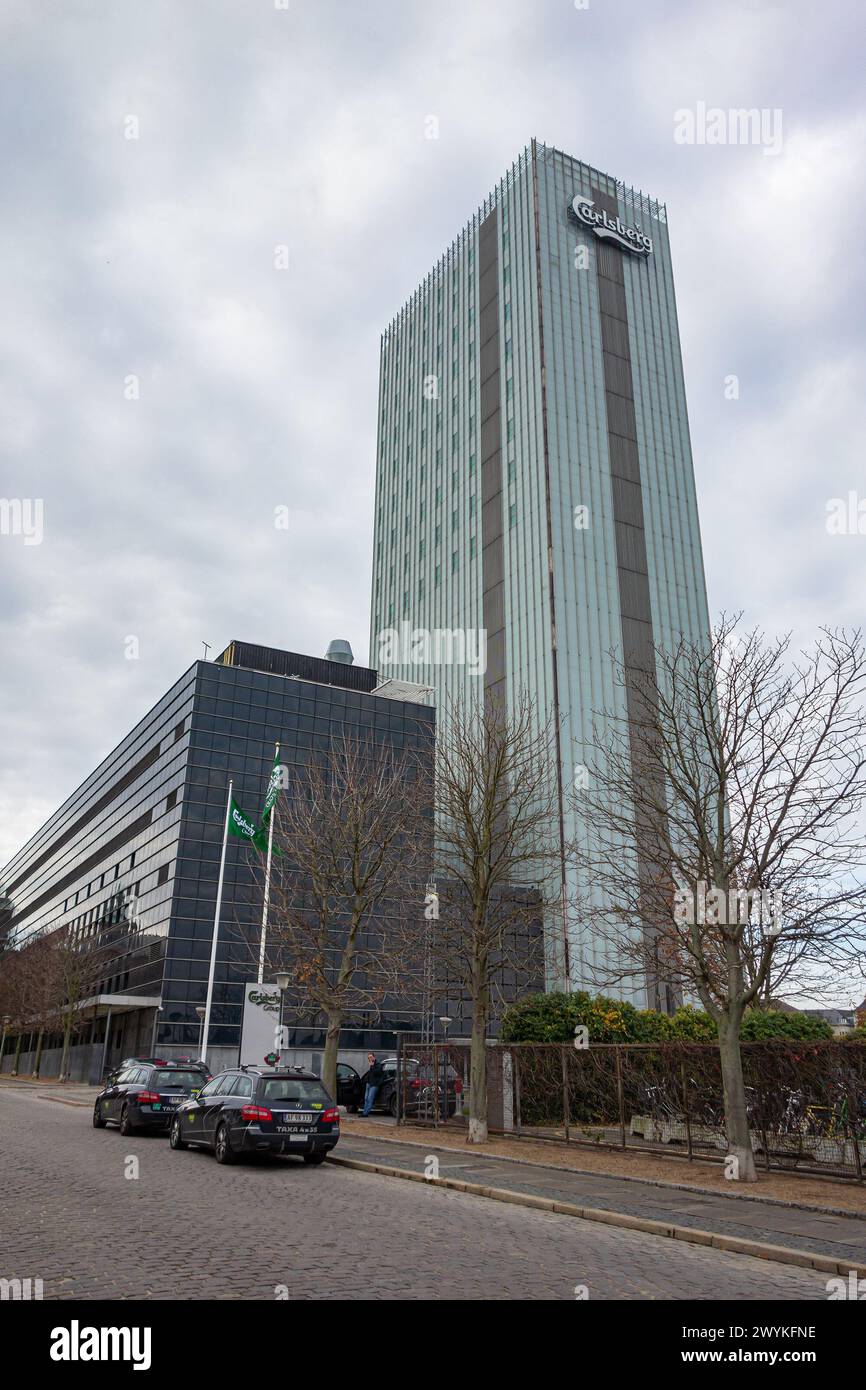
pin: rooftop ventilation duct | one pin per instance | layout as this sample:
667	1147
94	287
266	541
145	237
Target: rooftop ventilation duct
339	650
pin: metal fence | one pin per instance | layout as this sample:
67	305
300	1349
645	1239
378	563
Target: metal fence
806	1100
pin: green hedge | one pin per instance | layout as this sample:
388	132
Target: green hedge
760	1024
552	1018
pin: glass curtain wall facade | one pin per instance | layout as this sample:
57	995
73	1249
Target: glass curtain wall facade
535	477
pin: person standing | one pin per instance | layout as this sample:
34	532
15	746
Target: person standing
375	1078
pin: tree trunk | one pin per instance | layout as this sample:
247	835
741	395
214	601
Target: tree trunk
332	1047
478	1074
38	1061
64	1058
736	1113
17	1054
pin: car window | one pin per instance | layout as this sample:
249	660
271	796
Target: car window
131	1077
243	1087
175	1076
291	1088
344	1070
230	1085
213	1087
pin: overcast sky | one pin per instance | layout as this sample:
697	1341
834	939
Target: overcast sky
260	126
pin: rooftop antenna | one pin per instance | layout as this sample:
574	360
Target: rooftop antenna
206	646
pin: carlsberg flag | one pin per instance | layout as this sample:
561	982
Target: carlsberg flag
277	780
243	826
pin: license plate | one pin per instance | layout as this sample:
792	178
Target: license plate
293	1130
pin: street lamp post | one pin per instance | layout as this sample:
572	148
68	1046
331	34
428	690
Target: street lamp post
201	1011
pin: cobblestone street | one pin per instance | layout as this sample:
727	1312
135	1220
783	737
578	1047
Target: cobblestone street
188	1228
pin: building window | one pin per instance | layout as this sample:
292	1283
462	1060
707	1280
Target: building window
472	547
162	875
512	515
171	801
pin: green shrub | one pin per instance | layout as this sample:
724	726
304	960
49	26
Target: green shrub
552	1018
542	1018
689	1024
762	1024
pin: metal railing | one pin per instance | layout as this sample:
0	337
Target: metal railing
806	1101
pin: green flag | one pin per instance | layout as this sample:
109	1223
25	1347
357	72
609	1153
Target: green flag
274	785
244	827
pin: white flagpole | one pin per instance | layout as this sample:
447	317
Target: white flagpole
205	1032
267	897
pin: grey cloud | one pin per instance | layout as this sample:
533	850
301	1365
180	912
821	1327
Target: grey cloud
259	387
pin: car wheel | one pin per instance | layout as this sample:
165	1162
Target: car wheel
313	1158
222	1145
98	1121
126	1125
174	1139
392	1103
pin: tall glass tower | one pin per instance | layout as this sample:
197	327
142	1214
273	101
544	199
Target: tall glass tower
535	495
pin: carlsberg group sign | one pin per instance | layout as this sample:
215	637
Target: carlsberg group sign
260	1029
610	228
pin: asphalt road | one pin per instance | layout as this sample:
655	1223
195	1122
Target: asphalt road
97	1216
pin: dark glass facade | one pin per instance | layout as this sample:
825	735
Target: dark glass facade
134	853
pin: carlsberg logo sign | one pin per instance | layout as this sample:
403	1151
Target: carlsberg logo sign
610	228
243	823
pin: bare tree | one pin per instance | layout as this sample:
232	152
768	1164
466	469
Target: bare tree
13	995
352	846
39	977
80	960
494	804
741	776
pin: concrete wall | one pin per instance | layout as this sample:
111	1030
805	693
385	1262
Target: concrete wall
85	1060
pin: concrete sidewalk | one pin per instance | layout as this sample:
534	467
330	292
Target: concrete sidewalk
793	1233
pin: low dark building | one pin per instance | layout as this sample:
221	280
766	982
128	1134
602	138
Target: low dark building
132	856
